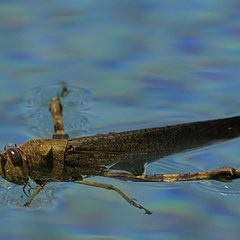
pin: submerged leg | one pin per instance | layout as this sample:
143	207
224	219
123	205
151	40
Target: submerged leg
37	190
117	190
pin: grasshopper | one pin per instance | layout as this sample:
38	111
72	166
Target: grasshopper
62	159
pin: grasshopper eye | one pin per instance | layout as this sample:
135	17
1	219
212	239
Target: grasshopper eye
15	156
9	145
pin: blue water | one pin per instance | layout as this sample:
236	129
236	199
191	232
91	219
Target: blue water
133	64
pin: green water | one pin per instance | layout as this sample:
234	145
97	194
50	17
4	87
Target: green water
133	64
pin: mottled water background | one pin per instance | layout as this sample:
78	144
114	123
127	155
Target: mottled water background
139	63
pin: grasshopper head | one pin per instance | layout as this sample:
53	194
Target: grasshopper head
14	167
40	160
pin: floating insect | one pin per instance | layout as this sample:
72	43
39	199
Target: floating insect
63	159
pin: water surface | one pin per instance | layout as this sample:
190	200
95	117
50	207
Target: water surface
141	63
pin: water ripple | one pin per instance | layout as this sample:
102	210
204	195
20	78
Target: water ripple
13	195
223	188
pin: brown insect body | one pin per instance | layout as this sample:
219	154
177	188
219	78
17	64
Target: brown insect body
64	159
67	159
147	145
